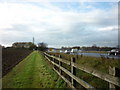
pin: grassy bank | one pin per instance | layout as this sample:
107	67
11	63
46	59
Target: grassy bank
100	64
32	72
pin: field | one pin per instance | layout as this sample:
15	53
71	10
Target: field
11	57
36	72
33	72
100	64
102	52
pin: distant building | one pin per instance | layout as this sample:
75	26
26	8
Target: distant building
22	44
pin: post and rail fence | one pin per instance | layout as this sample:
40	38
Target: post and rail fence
113	78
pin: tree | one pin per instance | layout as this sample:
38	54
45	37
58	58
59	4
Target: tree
94	45
42	46
33	47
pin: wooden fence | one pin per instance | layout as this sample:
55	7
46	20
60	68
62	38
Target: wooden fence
113	78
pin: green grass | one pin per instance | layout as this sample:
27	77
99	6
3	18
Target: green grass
103	52
32	72
100	64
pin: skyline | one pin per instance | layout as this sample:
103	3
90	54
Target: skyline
59	23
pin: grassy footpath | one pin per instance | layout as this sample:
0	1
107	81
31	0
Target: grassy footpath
32	72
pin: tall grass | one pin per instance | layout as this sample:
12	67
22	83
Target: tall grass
100	64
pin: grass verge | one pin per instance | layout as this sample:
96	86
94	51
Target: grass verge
100	64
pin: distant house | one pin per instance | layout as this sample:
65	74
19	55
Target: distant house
22	44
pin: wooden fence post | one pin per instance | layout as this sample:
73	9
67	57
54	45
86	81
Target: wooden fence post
53	59
81	55
114	72
77	56
73	71
60	64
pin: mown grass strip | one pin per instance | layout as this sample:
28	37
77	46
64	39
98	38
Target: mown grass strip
32	72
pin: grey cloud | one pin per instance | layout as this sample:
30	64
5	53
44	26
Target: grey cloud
18	27
74	31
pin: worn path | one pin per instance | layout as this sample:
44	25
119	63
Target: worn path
32	72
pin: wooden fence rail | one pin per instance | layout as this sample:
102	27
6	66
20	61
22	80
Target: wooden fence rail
113	77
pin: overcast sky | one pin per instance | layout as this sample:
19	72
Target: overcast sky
59	23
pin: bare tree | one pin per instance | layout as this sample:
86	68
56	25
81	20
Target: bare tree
42	46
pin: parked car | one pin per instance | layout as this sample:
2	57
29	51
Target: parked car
62	51
79	51
74	51
114	52
67	51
